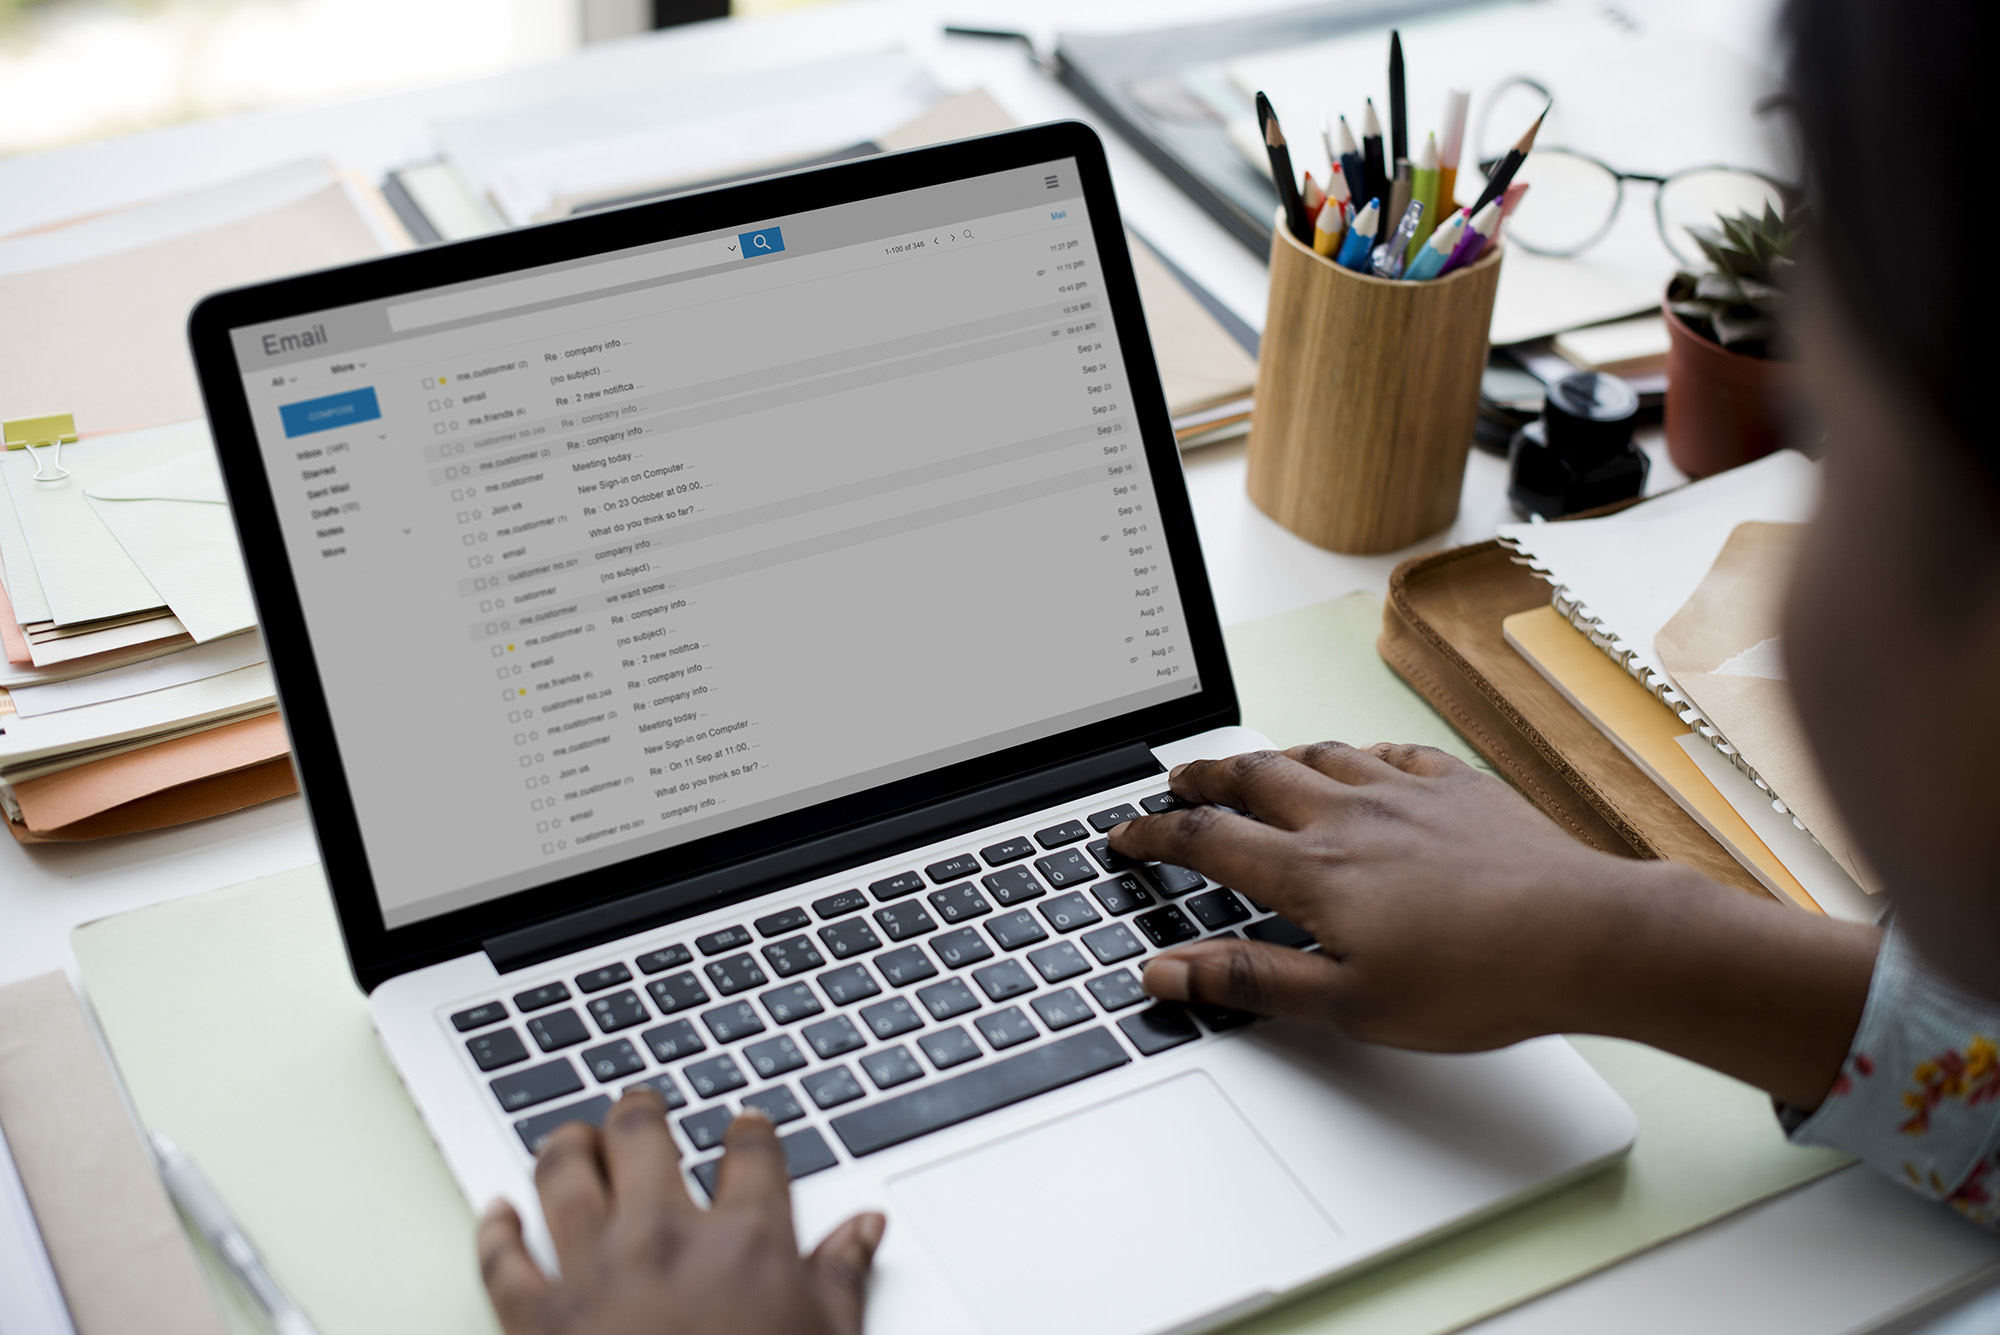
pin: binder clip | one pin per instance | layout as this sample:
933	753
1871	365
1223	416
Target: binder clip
30	433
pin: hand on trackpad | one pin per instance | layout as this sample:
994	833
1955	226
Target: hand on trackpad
1137	1214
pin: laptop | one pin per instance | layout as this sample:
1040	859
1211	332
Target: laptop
716	638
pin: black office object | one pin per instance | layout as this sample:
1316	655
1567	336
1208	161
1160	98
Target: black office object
1399	102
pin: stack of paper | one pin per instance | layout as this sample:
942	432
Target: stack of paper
134	690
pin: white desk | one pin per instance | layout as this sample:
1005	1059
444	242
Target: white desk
1848	1253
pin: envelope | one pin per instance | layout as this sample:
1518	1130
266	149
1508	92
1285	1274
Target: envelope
172	519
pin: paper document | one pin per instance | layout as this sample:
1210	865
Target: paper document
135	718
154	674
84	573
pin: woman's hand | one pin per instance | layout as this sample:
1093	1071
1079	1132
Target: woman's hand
639	1257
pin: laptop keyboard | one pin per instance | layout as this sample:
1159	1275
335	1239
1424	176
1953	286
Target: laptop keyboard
872	1017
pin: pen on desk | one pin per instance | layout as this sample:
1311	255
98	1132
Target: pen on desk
1503	175
1399	108
1281	171
1431	255
1371	152
1456	103
1477	233
1327	229
1388	261
1361	237
1401	191
1352	163
205	1210
1424	189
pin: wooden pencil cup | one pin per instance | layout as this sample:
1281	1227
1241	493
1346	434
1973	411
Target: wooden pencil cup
1367	392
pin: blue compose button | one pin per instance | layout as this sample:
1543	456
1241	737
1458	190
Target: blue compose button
330	413
765	241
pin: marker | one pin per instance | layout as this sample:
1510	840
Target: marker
1281	172
1371	153
1361	236
1430	258
1314	197
1399	110
1473	240
1424	189
1387	261
1451	145
1503	175
1327	229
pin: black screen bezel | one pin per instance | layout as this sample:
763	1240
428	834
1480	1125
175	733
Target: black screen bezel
377	952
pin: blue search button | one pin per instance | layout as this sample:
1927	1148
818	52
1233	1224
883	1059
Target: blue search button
768	241
330	413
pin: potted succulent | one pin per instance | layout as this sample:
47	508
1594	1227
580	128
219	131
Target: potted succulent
1724	375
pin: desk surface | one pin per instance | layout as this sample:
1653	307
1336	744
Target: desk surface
1848	1253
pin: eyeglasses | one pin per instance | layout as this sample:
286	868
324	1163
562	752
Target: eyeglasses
1574	198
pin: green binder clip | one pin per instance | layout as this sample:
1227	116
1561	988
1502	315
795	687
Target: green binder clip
31	433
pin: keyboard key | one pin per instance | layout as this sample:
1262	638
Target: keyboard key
729	938
830	1038
957	903
664	1086
1159	1027
677	992
478	1017
609	1061
905	966
1116	991
673	1040
502	1047
1003	980
895	887
713	1076
793	955
1279	932
598	979
1123	894
1217	909
947	999
952	869
959	1098
704	1129
902	921
1102	821
1167	926
1067	913
960	948
540	998
834	906
1105	856
1175	881
620	1010
1060	1010
1057	835
560	1029
794	1001
949	1047
832	1087
1065	869
534	1130
735	974
1013	930
1013	885
891	1067
891	1018
785	920
733	1021
774	1057
1004	1029
659	961
806	1153
1113	943
537	1084
1059	961
1008	850
1159	802
844	940
777	1102
1220	1019
845	986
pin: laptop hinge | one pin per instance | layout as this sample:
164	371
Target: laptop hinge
744	880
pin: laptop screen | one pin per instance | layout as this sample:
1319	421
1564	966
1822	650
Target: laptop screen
607	556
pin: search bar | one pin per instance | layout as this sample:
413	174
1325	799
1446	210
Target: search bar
496	297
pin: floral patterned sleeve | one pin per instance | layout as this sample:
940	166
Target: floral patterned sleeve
1919	1095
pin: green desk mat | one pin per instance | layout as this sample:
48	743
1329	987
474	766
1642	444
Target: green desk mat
239	1033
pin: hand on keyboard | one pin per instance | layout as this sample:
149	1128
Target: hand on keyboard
638	1256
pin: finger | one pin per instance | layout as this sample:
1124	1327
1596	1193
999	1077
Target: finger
1343	763
1425	761
1249	976
753	1174
569	1175
515	1284
1269	785
839	1268
640	1154
1230	848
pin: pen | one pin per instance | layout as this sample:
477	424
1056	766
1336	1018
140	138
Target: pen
1361	237
1456	103
205	1210
1400	190
1477	232
1281	171
1351	161
1387	261
1424	189
1503	175
1327	229
1430	257
1399	111
1371	152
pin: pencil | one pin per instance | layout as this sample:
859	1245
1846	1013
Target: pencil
1351	162
1281	172
1314	197
1371	153
1361	237
1424	188
1399	110
1430	257
1451	145
1326	141
1337	188
1503	175
1328	229
1473	240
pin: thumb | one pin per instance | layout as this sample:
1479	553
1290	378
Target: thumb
839	1269
1248	976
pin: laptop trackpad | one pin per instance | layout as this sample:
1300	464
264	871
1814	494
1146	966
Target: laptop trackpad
1140	1213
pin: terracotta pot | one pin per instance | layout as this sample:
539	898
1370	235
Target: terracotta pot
1723	408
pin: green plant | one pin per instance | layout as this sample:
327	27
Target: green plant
1737	303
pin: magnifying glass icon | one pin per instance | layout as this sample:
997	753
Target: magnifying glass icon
761	242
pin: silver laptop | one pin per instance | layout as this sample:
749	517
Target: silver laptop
716	638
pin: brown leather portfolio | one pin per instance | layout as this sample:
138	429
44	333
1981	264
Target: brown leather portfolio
1441	633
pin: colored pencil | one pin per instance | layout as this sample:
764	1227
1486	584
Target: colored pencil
1430	257
1473	240
1337	187
1360	237
1314	197
1328	229
1503	175
1424	189
1352	163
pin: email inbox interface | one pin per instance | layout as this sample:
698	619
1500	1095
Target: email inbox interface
606	574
